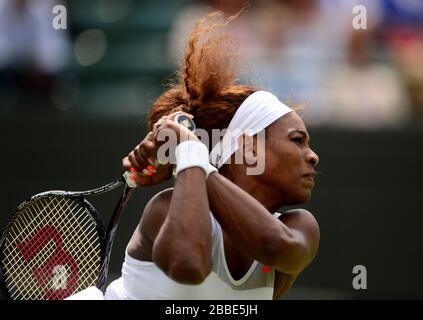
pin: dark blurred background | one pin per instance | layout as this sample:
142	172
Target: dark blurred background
73	103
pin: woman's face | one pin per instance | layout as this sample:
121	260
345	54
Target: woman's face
290	162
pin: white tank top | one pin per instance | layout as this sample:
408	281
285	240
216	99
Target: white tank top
143	280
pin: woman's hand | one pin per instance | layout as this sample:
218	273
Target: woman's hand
142	161
143	165
167	126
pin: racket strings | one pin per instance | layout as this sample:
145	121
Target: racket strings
60	257
48	250
16	265
49	239
74	232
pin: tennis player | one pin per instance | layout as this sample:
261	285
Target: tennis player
217	233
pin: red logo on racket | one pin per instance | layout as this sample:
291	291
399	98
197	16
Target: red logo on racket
53	270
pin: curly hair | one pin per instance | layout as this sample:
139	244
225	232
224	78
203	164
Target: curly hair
206	79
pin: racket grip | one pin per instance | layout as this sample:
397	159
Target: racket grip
130	179
150	170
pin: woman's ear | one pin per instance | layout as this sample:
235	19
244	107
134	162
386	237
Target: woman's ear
249	147
253	151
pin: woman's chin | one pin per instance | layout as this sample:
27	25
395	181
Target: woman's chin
303	196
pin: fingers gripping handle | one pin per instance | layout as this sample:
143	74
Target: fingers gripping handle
130	176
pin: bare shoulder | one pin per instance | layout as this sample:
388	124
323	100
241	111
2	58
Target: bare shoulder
300	218
159	201
305	224
155	213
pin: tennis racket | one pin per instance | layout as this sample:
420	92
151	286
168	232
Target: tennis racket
55	243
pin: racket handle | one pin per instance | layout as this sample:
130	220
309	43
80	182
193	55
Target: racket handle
129	176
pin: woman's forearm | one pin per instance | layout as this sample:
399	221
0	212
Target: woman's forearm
249	225
182	248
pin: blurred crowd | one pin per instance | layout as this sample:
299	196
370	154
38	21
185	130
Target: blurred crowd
308	52
305	51
32	52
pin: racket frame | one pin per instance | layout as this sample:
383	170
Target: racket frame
78	196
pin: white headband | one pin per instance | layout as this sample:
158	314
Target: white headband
256	113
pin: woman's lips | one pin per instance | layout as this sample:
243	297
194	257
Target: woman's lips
309	177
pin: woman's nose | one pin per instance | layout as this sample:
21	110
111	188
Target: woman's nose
313	158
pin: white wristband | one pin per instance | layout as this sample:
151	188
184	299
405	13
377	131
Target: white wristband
211	169
192	154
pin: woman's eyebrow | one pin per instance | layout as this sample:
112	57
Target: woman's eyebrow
303	133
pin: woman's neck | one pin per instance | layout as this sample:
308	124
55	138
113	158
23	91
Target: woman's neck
269	197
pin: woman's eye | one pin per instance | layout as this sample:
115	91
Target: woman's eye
297	139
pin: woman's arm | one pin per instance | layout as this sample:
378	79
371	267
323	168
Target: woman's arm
256	233
182	248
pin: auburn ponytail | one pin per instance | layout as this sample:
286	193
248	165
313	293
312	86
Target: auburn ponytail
205	86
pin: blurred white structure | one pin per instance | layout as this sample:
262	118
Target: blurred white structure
28	39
